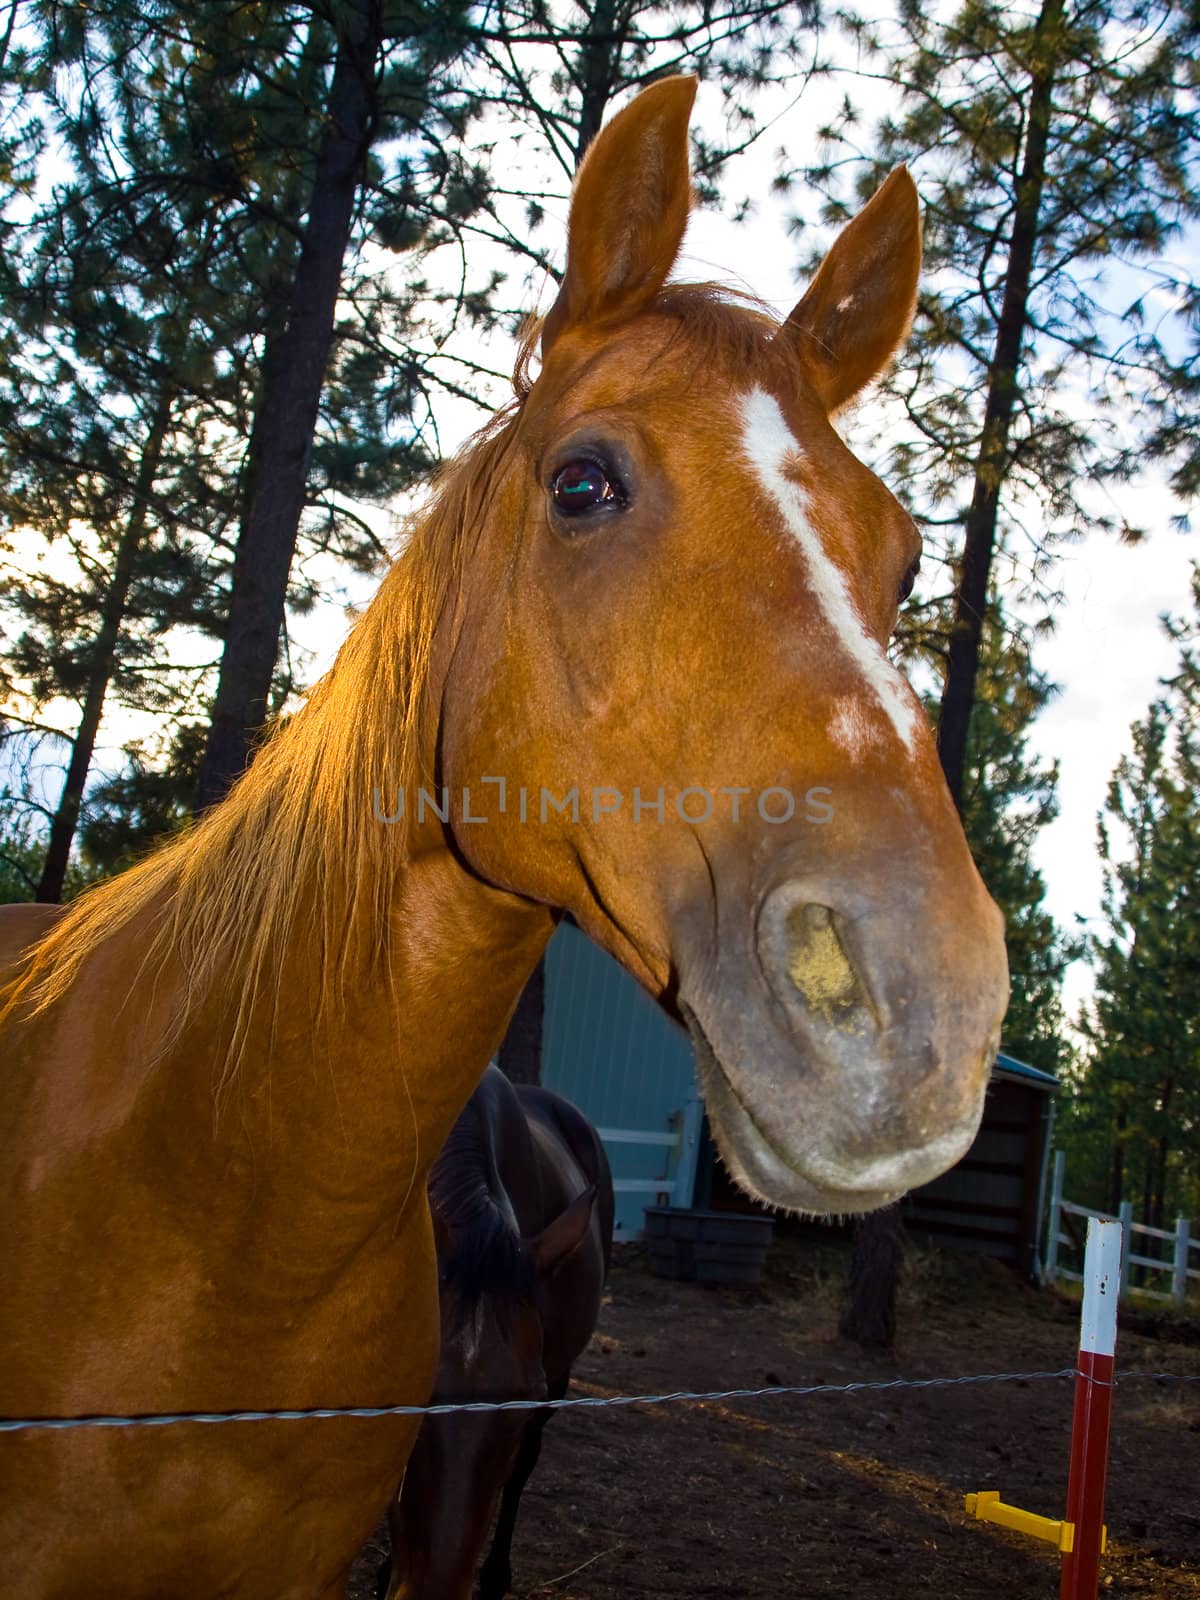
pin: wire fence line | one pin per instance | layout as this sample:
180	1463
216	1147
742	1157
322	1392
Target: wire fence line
571	1402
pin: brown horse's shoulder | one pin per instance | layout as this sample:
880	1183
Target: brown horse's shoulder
21	926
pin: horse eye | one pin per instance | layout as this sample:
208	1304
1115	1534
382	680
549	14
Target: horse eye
909	578
582	486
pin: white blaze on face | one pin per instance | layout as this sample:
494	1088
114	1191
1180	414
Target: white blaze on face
768	443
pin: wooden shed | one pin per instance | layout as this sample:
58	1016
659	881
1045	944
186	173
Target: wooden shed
608	1047
991	1202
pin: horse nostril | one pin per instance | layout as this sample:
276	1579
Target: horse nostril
818	965
813	963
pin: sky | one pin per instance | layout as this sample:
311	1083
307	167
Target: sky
1107	653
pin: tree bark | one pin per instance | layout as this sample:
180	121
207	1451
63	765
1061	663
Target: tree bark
1158	1208
596	63
103	663
286	413
520	1055
1116	1180
979	533
870	1315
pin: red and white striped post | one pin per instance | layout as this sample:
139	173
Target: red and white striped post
1093	1410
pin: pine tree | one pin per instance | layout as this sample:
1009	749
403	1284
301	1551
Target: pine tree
1054	152
23	816
117	405
91	482
20	861
1135	1117
151	797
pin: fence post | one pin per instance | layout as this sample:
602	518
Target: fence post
1056	1199
1093	1410
1179	1275
1125	1218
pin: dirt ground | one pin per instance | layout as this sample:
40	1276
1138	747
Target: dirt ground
852	1497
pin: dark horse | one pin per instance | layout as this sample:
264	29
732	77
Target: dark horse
522	1204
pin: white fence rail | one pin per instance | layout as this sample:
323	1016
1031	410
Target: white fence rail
1177	1264
682	1144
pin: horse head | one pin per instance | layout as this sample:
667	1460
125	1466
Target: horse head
672	648
494	1303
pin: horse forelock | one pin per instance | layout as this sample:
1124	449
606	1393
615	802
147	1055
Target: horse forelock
716	326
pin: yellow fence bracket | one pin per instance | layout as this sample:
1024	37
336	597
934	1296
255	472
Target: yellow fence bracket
987	1506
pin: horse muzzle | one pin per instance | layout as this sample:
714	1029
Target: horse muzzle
844	1041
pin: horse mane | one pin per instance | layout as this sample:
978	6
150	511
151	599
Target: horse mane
488	1256
294	852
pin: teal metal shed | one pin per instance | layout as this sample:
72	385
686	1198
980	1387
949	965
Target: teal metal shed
608	1047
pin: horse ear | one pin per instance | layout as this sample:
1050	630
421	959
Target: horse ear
859	307
629	210
555	1245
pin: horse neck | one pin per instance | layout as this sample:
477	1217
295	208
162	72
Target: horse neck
372	1096
461	954
323	1133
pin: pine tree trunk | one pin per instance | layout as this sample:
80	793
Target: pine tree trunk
103	661
979	533
870	1315
520	1055
1158	1207
599	54
286	413
1116	1181
1137	1274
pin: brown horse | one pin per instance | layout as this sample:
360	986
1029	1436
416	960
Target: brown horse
522	1206
646	610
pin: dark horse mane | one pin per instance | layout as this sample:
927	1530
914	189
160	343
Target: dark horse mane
467	1194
